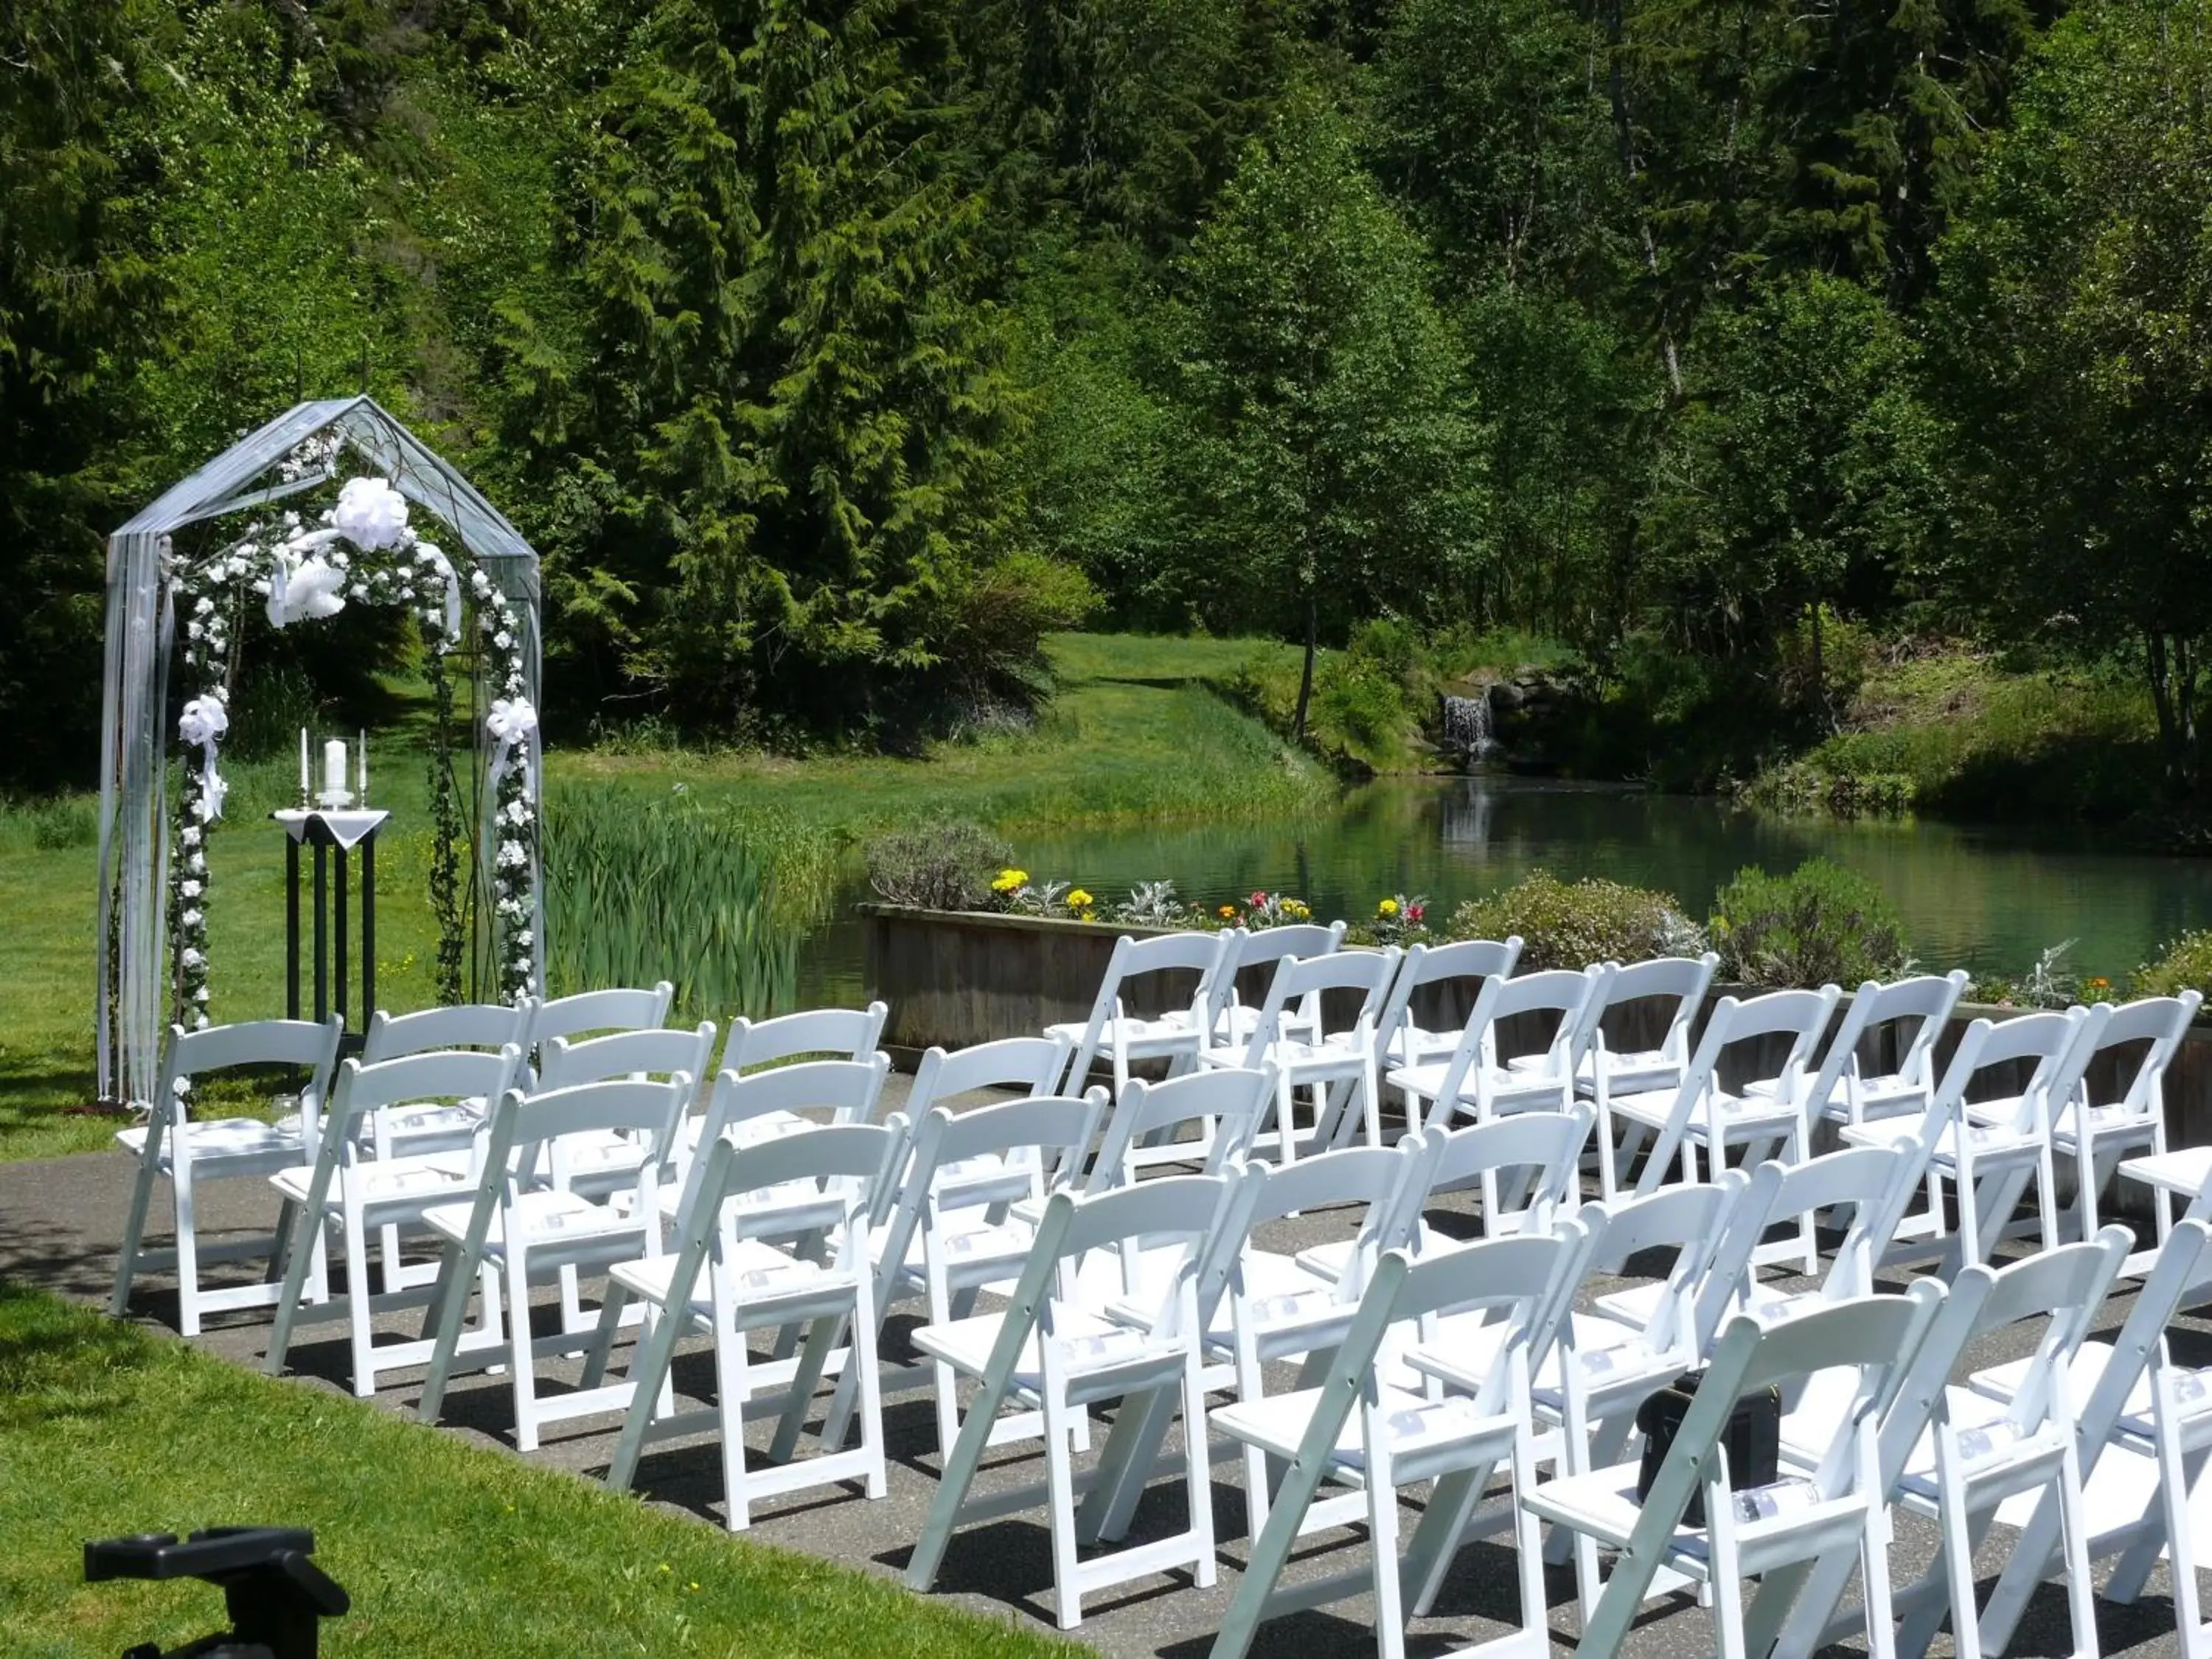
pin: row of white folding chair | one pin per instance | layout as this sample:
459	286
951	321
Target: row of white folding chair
1212	1016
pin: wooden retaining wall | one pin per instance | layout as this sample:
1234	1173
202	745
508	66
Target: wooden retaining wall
954	978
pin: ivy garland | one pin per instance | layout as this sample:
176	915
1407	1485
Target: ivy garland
363	551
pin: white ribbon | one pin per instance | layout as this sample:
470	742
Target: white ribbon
301	583
204	722
426	553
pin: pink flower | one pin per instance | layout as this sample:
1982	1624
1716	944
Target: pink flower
1259	899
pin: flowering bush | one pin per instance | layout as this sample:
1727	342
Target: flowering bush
2184	965
1819	925
1573	923
1398	919
1265	909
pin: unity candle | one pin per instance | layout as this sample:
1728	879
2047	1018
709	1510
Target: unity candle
305	784
334	767
360	756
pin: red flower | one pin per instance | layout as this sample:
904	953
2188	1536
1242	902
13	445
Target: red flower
1414	913
1259	899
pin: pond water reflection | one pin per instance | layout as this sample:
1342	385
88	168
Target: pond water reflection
1985	898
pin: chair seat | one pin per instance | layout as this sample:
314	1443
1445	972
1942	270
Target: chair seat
1279	1294
1602	1505
1986	1441
1507	1085
547	1217
1987	1139
1329	1260
1464	1346
1414	1423
964	1242
1092	1344
1633	1072
1415	1045
1742	1114
1341	1055
221	1139
400	1123
2112	1122
1136	1037
761	1273
380	1181
1878	1097
1635	1307
2192	1387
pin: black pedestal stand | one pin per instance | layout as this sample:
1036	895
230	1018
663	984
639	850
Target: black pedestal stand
332	922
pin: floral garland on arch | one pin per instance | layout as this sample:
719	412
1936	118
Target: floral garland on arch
362	550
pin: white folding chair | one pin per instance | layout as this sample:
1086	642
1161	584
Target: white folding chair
482	1026
1143	1126
1399	1038
524	1231
1029	1067
1846	1089
1603	1069
750	1284
1988	1151
1257	1306
1703	1113
1529	1157
1127	1040
1318	1058
346	1192
1482	1081
587	1013
938	1236
1042	1352
848	1033
405	1129
1228	1017
1977	1452
171	1144
1776	1534
2093	1134
2144	1437
1359	1427
1871	1184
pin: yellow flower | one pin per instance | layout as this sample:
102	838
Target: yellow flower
1080	900
1227	913
1008	880
1388	908
1296	910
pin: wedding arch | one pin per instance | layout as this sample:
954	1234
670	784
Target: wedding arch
179	581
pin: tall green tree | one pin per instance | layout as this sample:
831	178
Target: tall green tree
1798	473
2072	346
76	288
789	399
1333	454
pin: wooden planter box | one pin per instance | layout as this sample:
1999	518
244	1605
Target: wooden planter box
954	978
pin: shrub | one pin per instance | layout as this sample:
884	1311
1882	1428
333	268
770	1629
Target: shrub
1573	923
1818	925
2184	965
947	864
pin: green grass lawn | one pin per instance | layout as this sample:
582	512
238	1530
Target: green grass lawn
1133	731
446	1548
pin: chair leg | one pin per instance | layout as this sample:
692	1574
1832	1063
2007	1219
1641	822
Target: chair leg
1197	1469
602	1335
731	1385
188	1253
822	1335
1383	1537
1060	1501
2081	1592
522	1351
648	1373
959	1474
133	1226
359	1328
295	1282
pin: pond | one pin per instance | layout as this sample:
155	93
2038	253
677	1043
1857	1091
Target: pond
1985	898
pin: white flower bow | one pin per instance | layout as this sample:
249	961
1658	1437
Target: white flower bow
203	723
371	513
512	720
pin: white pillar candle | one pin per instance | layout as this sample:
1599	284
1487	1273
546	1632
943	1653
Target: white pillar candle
360	762
303	783
334	767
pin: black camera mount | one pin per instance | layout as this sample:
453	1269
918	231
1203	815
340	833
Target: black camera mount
276	1597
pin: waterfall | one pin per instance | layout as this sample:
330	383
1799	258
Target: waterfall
1466	726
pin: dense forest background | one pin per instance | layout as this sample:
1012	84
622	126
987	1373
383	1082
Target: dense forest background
832	353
